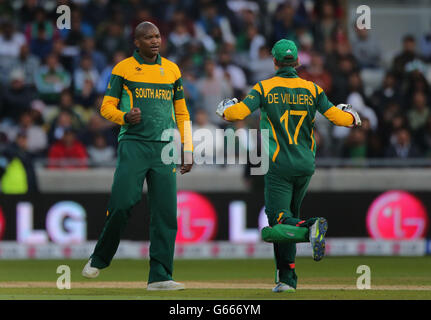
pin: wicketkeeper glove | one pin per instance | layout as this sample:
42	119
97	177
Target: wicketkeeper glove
222	106
348	108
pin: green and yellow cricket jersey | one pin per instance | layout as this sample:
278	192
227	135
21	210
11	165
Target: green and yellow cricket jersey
288	107
157	90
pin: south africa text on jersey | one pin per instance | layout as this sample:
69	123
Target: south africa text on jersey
150	93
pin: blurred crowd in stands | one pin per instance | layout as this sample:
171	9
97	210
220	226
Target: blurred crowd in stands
52	81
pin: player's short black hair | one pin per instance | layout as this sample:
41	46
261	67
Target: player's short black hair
143	26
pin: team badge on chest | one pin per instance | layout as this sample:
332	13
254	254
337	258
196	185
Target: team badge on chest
162	71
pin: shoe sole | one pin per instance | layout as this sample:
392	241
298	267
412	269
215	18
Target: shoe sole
278	289
319	242
90	276
288	291
164	289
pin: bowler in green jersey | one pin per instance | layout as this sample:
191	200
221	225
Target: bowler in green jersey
145	96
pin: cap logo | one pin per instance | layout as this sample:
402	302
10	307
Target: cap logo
288	51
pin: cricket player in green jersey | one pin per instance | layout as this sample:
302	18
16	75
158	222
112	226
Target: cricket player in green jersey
145	96
288	106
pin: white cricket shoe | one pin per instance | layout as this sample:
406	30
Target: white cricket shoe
89	271
282	287
165	285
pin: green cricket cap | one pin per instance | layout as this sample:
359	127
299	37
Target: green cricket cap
285	50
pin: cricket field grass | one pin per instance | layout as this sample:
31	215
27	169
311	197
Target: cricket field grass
333	278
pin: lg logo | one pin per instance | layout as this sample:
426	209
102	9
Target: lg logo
397	215
65	224
197	218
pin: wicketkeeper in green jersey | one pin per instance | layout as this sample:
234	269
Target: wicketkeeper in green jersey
288	106
145	96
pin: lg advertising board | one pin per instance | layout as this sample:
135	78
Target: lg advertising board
202	217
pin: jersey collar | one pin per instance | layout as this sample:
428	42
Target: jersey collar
287	72
138	58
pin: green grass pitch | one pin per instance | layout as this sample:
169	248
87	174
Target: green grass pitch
331	278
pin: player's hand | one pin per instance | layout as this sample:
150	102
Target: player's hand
356	118
186	162
222	106
133	116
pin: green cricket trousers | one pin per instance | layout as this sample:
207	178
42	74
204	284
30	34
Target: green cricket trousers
283	199
139	160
